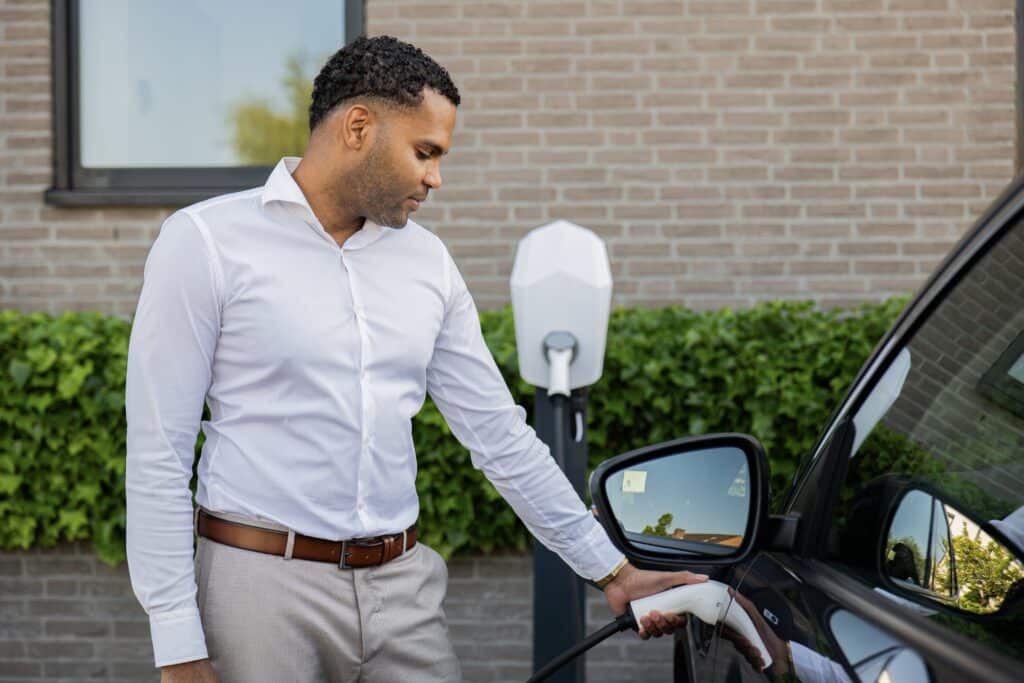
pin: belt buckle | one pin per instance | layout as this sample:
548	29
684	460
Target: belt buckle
343	562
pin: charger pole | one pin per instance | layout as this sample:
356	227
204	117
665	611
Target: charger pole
559	604
561	296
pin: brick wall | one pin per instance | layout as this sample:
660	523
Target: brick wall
728	150
66	616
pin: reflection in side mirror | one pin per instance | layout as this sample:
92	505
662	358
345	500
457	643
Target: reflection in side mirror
935	551
694	501
875	656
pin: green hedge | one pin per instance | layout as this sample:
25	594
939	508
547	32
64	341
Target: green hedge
775	371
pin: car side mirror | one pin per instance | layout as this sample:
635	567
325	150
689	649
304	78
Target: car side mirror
699	500
934	552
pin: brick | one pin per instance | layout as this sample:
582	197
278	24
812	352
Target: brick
713	7
81	669
27	31
642	212
26	669
732	25
555	9
704	249
818	267
85	628
837	117
729	44
815	25
651	8
641	268
492	10
774	7
755	230
53	649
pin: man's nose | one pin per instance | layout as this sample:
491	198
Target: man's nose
433	178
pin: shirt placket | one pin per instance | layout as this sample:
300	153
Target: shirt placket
366	403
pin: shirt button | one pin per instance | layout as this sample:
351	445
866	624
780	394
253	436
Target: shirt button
367	439
361	506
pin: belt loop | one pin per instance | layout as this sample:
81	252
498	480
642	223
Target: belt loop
405	535
290	546
195	519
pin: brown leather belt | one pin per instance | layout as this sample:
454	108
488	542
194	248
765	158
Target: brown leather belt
354	554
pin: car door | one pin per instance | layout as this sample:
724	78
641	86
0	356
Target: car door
899	553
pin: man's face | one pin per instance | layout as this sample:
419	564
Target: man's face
403	162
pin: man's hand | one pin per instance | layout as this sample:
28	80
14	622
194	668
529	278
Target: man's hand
777	647
632	583
199	671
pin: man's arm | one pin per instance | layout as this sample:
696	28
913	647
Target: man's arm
170	354
470	392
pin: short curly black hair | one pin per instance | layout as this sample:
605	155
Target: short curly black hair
381	67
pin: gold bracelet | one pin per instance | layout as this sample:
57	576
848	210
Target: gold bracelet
601	583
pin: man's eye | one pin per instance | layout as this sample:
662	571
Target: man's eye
422	156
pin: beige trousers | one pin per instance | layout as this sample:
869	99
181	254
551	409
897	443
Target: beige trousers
276	620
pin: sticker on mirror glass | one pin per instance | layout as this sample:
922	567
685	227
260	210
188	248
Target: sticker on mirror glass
738	488
634	481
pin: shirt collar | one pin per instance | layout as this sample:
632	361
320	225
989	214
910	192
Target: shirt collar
281	187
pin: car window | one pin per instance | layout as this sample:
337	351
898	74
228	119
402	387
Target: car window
931	510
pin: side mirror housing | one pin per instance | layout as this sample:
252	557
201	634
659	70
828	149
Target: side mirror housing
695	501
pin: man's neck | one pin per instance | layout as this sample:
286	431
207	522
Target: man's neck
338	223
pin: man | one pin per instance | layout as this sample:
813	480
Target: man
313	317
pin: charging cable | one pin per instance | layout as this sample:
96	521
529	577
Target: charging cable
621	623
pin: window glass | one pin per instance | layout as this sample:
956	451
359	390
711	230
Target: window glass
199	83
927	510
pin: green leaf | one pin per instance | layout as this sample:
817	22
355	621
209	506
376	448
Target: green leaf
20	372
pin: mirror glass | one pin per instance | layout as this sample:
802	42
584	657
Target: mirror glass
935	551
696	501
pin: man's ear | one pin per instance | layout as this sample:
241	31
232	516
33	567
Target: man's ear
355	124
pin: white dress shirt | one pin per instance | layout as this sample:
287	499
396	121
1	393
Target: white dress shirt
313	358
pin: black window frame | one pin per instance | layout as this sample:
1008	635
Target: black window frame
74	185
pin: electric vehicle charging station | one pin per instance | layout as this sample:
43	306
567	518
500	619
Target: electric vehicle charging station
561	297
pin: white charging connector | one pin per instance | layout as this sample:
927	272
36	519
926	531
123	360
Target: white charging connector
711	603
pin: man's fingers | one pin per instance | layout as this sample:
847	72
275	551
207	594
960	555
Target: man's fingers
672	579
657	624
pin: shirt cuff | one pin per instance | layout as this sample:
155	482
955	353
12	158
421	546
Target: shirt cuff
177	637
595	556
808	665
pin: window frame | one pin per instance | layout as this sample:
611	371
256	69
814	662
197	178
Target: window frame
74	185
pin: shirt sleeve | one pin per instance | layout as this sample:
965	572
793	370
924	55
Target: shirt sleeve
471	393
811	667
170	354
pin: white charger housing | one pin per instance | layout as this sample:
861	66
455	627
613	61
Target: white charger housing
561	282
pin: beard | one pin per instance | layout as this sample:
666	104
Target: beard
374	183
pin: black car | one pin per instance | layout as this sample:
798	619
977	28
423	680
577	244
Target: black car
897	554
